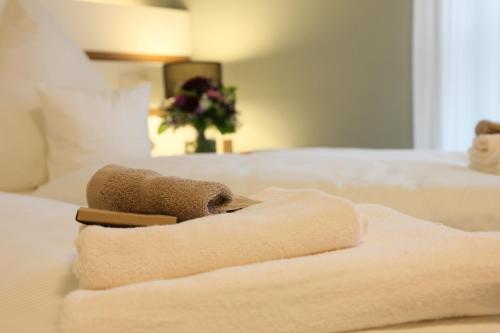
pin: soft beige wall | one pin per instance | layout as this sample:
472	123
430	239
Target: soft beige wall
312	72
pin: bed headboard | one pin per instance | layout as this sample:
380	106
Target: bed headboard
125	32
129	43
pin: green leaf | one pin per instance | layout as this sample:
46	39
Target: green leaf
163	127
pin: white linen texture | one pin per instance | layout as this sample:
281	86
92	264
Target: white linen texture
286	224
86	126
405	270
33	50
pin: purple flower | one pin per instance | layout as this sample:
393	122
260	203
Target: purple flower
190	104
199	101
198	85
213	93
179	101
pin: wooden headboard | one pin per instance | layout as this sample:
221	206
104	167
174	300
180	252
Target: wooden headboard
137	57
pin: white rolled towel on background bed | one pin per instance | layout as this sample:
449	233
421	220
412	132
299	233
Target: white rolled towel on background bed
487	142
484	158
484	161
286	224
405	270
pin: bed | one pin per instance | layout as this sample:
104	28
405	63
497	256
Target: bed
431	185
83	129
37	247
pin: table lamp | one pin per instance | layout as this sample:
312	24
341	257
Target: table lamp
175	74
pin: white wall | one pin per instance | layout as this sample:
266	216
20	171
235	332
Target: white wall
312	72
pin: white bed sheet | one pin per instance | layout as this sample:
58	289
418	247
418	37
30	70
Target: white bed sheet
36	251
431	185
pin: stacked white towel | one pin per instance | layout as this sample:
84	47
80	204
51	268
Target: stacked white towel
484	155
286	224
404	270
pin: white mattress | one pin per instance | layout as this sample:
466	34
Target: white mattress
431	185
36	251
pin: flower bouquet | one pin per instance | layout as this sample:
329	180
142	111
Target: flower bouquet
202	104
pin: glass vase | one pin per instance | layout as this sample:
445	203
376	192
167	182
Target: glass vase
202	144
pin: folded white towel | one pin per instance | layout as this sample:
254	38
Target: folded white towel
287	224
405	270
487	142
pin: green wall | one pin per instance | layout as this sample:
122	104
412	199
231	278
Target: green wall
313	72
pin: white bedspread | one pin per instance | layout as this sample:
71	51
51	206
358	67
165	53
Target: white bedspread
432	185
36	251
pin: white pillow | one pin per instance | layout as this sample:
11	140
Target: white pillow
33	49
84	127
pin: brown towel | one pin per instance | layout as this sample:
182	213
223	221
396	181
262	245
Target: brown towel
118	188
487	127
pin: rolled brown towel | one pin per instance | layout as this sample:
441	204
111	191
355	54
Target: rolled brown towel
118	188
487	127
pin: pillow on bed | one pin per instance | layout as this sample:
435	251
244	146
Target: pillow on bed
33	49
88	126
